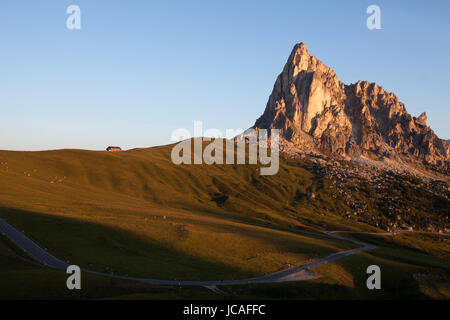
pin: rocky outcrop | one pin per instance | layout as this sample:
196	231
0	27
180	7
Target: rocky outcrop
316	111
422	119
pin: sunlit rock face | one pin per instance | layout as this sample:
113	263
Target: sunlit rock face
316	111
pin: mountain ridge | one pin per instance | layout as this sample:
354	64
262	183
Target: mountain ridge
315	111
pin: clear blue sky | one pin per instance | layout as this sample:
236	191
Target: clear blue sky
139	69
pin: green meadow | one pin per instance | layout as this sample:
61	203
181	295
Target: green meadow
135	213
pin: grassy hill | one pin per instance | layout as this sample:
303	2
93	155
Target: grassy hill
135	213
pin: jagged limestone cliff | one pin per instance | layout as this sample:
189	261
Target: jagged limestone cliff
316	111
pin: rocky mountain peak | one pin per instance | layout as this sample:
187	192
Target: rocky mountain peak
422	119
301	61
316	112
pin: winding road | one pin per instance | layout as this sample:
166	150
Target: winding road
297	273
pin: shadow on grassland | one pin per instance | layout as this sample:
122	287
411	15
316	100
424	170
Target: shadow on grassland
104	249
21	278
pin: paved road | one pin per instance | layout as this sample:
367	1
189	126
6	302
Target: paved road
298	273
30	247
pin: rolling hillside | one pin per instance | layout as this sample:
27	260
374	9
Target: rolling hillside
233	222
135	213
